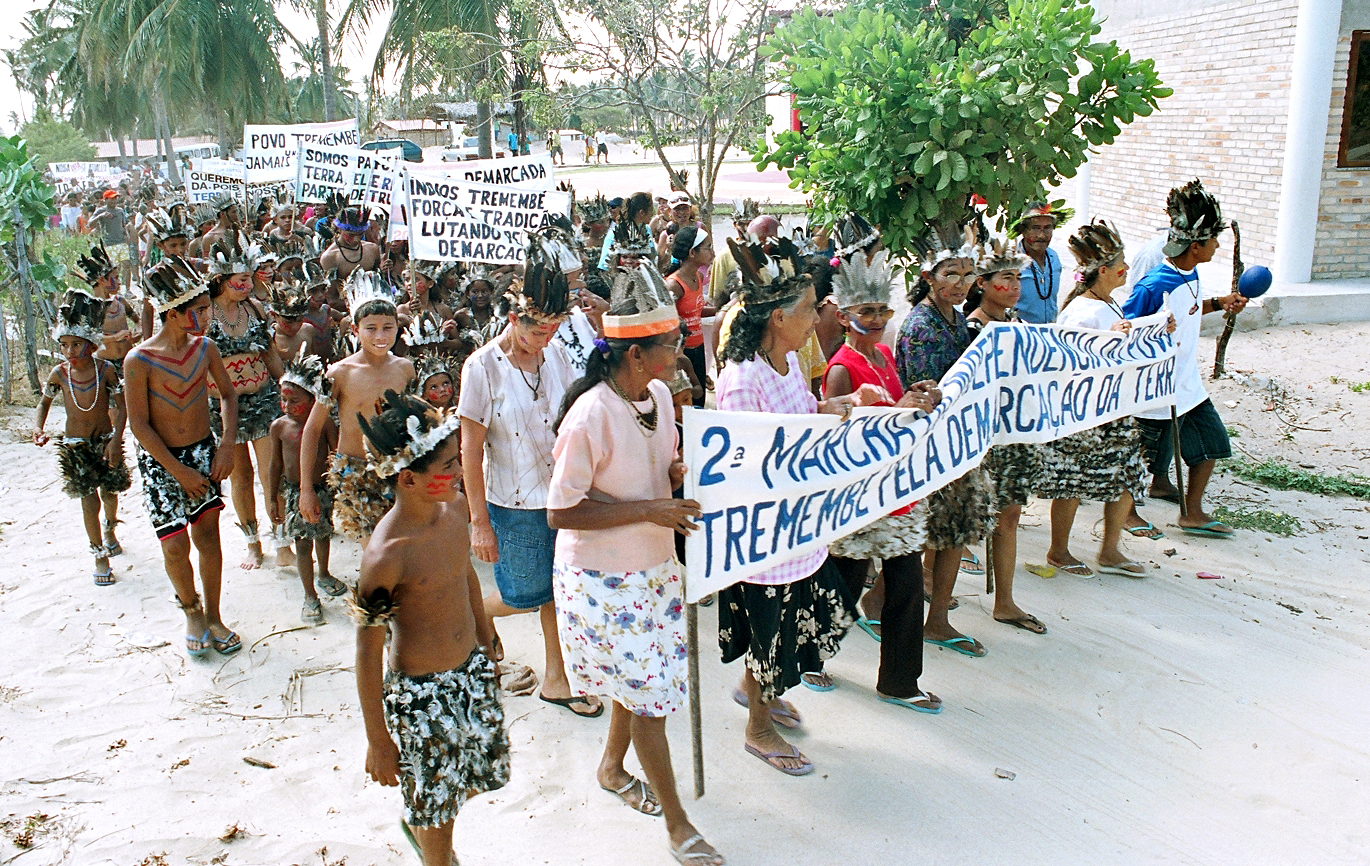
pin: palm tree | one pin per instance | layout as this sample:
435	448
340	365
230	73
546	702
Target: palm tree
310	96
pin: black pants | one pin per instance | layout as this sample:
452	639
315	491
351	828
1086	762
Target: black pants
698	358
901	620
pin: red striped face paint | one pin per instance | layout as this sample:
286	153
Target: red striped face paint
440	484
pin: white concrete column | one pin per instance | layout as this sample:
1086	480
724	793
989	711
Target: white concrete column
1305	139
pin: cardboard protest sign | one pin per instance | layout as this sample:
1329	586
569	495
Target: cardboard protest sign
269	149
774	487
322	170
70	171
530	172
450	219
381	183
210	178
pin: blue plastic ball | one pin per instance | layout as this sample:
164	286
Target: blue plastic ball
1254	282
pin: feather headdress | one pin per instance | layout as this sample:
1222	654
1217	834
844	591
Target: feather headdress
477	273
290	298
861	281
363	286
594	210
995	255
631	239
168	224
259	254
1095	245
427	269
403	430
81	315
769	278
424	329
306	371
227	256
95	266
545	294
171	283
642	289
221	203
854	235
1195	217
932	250
353	219
744	211
430	364
1039	209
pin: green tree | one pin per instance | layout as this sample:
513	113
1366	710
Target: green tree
910	107
26	204
684	70
55	141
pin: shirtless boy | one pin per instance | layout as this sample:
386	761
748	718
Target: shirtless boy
302	384
227	219
91	453
289	305
356	383
100	275
434	724
350	251
167	391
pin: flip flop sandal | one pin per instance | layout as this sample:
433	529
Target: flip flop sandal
684	856
975	566
910	703
956	645
1026	623
204	642
707	601
769	757
1122	569
817	686
566	702
869	626
1146	530
227	646
1078	569
312	612
647	805
331	585
783	714
104	578
1207	530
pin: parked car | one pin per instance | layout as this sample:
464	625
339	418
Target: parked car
412	152
468	149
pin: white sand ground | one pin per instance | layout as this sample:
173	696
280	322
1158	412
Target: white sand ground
1165	720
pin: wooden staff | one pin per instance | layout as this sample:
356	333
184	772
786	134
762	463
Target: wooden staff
1220	358
696	718
989	563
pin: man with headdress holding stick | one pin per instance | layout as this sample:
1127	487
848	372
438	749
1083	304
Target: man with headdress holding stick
350	251
1192	426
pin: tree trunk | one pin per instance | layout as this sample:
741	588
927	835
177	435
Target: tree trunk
26	297
483	131
5	388
325	58
173	172
520	107
119	140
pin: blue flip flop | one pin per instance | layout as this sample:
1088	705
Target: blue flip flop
203	650
1207	530
955	645
908	703
868	626
803	678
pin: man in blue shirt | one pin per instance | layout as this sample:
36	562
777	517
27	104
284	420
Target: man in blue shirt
1195	223
1041	276
513	143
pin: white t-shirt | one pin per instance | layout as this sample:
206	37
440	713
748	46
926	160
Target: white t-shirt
577	336
1087	312
518	423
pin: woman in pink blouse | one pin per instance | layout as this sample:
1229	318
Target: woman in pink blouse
619	599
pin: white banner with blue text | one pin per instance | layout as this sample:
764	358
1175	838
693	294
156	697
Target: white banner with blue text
774	487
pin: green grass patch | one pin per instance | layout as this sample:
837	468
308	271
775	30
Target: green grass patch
1273	522
1233	433
1282	476
1356	387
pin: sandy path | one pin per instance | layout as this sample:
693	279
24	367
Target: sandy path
1168	720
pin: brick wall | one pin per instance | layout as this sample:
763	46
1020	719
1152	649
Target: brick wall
1342	248
1229	65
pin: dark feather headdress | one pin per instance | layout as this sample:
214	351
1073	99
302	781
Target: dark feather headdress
1095	245
221	203
768	278
594	210
1195	217
95	266
403	430
744	211
171	283
227	255
353	219
545	295
430	364
81	315
168	224
995	255
643	290
290	298
854	235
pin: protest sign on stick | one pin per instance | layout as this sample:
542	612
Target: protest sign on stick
773	487
452	220
269	150
210	178
323	170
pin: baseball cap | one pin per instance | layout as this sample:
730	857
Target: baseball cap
109	194
678	199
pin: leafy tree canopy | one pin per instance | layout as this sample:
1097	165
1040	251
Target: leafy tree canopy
911	107
55	141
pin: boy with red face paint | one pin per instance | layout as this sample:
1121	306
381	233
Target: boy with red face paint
431	705
91	453
301	386
167	391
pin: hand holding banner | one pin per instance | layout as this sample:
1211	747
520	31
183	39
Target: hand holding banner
774	487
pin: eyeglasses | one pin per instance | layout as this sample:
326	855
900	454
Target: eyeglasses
953	279
672	344
869	312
